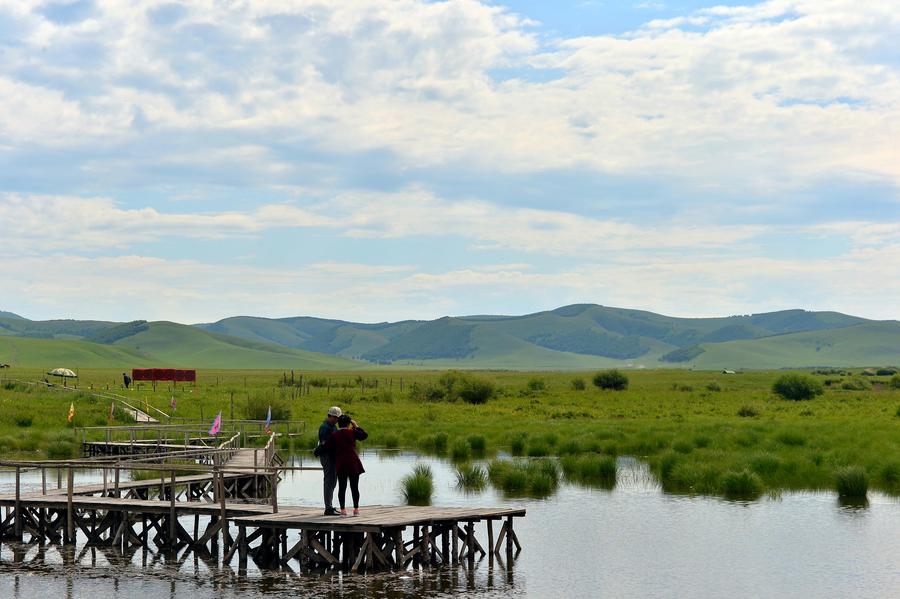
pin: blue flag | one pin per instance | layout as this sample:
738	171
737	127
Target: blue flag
269	421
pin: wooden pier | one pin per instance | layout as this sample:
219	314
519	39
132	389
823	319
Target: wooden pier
227	499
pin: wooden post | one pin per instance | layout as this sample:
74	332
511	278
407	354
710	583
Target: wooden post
509	535
274	485
470	542
232	405
172	536
18	507
43	481
70	512
455	535
490	527
117	479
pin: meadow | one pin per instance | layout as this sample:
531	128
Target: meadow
701	432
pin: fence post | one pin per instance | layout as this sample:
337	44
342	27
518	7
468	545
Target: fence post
274	484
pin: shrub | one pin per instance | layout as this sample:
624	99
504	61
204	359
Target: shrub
536	385
855	385
61	448
476	391
895	381
702	441
852	482
747	412
471	477
797	387
257	408
886	371
578	384
418	486
713	386
611	379
743	484
25	421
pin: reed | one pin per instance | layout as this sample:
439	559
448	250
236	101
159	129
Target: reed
852	482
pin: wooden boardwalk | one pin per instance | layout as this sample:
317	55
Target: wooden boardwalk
235	503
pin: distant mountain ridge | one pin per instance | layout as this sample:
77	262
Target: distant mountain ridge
577	336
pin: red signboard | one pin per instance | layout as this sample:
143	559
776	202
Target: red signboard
164	374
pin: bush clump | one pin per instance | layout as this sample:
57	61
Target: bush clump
579	385
895	381
418	486
477	443
797	387
257	408
460	450
852	482
611	379
746	411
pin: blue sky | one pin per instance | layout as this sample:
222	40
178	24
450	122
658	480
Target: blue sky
408	159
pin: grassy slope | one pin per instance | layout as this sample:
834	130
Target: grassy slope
163	344
191	347
869	344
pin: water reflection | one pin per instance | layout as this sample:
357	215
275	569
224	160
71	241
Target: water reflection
582	541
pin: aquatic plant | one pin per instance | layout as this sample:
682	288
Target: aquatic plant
590	469
741	485
471	477
418	486
460	450
852	482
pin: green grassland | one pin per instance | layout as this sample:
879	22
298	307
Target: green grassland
697	430
576	337
162	344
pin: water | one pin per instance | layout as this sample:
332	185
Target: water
633	541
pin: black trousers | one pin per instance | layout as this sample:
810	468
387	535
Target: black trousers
354	489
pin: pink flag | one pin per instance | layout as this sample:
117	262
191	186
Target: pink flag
173	404
216	425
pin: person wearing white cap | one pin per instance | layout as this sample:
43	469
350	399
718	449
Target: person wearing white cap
326	458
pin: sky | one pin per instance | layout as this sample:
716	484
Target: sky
376	161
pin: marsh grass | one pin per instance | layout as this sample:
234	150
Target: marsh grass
852	482
477	443
741	485
535	478
460	451
471	477
418	486
592	470
646	420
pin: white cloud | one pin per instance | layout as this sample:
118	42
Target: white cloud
769	94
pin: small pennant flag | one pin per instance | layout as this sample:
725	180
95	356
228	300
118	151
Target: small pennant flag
71	416
173	404
216	425
269	421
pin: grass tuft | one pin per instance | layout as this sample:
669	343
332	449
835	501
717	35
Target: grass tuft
852	482
418	486
741	485
471	477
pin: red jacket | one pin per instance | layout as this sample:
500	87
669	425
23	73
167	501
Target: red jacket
343	444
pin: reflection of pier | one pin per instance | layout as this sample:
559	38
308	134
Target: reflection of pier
192	498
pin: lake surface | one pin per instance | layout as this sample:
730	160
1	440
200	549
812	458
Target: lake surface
633	541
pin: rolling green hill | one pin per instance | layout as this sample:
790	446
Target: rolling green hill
162	344
576	336
580	336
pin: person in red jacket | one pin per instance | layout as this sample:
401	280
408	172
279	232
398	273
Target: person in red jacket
347	464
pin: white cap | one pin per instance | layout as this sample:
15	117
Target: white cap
334	411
